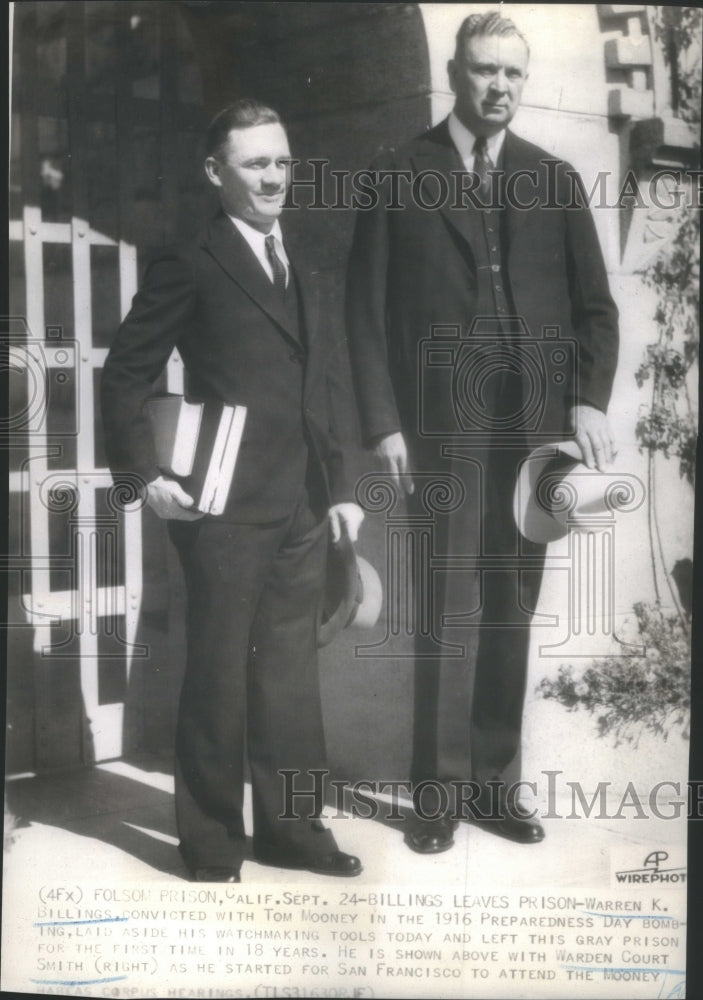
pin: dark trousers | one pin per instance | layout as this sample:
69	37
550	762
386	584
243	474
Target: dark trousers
468	705
254	593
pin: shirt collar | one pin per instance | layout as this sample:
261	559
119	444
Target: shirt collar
464	141
257	239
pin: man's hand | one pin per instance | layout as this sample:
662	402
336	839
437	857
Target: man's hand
593	436
169	500
345	517
394	456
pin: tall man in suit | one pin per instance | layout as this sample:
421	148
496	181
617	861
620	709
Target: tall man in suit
460	233
242	314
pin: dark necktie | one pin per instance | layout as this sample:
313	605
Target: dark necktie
277	265
482	165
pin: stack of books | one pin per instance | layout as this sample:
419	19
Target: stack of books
197	443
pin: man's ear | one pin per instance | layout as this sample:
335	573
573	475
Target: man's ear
212	169
451	73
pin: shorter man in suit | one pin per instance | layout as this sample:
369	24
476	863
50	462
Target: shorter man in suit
241	312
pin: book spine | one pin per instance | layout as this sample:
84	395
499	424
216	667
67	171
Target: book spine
189	421
207	495
229	460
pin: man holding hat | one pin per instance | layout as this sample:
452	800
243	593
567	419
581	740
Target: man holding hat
241	308
480	325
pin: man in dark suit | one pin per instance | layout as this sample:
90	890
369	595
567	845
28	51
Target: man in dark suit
459	275
243	317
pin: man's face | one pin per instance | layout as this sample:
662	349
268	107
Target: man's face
252	172
487	78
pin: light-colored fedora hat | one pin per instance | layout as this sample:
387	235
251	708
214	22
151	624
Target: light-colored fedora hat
353	592
555	490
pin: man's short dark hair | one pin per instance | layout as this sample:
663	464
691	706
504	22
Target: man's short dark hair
244	113
490	23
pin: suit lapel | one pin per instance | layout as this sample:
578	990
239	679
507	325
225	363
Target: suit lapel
437	152
231	251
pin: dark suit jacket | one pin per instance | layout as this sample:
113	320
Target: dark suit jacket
413	267
213	301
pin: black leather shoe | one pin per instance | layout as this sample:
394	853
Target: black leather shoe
215	874
430	836
335	863
514	824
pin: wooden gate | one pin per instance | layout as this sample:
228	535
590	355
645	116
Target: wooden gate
107	117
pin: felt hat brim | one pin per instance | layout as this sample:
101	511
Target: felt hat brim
534	516
353	592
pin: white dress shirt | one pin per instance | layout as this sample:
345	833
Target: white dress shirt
256	241
464	142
